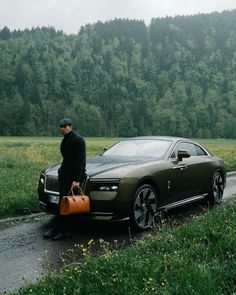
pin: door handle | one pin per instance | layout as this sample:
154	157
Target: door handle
180	167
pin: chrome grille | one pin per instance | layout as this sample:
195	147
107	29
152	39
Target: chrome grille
51	184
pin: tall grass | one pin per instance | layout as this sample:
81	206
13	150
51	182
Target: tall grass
23	158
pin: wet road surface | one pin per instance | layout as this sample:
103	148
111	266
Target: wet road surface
25	255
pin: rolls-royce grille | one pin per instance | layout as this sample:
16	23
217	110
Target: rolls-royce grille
51	184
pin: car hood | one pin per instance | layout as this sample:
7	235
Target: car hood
96	166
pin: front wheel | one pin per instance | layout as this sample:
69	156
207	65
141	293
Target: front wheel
217	189
144	207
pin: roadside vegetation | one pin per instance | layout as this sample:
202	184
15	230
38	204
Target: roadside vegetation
198	257
23	158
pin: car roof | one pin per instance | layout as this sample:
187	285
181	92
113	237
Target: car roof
172	138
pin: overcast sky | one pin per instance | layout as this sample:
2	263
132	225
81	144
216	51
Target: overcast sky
70	15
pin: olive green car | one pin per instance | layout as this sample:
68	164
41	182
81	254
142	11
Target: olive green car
137	177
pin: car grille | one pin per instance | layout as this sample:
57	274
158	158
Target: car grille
51	184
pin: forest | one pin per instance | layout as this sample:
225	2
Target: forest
176	76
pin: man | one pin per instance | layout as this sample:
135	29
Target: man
71	172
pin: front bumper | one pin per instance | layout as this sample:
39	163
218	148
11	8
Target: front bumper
103	204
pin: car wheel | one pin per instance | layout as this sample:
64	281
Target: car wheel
144	207
217	189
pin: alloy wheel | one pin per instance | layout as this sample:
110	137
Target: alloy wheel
144	207
218	188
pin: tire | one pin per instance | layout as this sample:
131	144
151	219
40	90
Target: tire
144	207
217	189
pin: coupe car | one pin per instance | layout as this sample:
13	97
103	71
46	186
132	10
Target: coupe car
138	177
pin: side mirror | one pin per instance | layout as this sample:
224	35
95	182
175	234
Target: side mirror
183	154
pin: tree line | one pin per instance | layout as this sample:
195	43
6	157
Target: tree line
176	76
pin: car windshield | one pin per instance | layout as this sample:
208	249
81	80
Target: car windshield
139	148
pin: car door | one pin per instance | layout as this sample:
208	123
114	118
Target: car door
186	177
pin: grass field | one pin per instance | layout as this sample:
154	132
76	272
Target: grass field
21	161
23	158
222	148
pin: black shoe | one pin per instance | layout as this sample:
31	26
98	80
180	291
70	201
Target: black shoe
49	234
58	236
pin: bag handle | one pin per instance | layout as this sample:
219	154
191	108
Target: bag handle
72	191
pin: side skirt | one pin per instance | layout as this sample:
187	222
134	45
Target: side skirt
183	202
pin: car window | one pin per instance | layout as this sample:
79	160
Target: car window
141	148
193	149
200	151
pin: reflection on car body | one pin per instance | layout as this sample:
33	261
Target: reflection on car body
137	177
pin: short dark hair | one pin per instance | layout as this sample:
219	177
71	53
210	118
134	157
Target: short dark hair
65	121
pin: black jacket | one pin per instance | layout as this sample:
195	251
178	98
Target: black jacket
73	151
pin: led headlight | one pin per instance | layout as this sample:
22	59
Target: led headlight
108	187
103	185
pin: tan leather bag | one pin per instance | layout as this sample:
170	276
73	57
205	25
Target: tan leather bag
73	204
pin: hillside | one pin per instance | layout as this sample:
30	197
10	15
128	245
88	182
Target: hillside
121	78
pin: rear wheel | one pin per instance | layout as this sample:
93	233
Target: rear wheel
217	189
144	207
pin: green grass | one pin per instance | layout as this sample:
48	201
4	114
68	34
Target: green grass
198	257
23	158
222	148
21	161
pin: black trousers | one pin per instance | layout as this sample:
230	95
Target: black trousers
64	185
59	222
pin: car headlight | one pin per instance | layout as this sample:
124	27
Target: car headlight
104	185
108	187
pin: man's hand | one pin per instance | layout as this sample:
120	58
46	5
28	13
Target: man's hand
75	184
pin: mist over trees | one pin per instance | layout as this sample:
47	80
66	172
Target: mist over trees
176	76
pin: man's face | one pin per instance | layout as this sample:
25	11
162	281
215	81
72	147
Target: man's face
65	129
